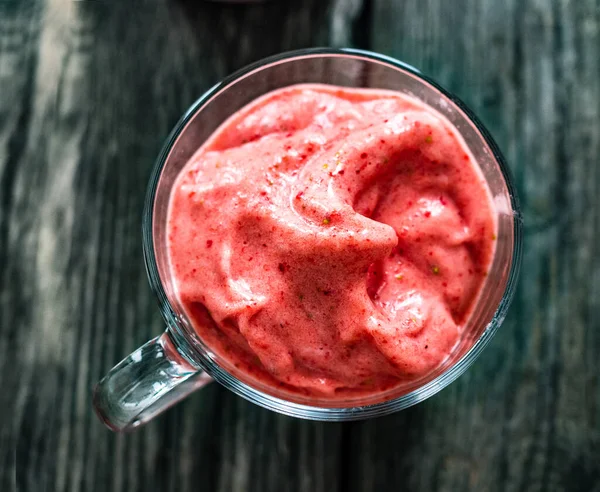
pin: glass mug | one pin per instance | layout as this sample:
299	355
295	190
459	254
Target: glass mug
178	362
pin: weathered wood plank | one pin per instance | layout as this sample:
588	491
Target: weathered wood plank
525	417
18	39
89	91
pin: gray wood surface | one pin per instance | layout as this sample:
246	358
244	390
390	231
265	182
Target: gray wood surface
88	91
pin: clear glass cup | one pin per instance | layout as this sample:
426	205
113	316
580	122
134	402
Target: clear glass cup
171	366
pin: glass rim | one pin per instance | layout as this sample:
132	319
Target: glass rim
187	344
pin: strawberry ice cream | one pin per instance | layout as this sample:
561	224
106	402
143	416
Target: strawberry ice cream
331	241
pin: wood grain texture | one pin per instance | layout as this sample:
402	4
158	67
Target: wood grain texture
527	414
88	90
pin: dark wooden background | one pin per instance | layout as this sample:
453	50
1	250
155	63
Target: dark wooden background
88	92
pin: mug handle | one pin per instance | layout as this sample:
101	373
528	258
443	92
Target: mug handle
145	384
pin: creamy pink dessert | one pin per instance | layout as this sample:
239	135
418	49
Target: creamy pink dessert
331	241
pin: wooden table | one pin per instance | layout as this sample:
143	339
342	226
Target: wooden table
88	92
